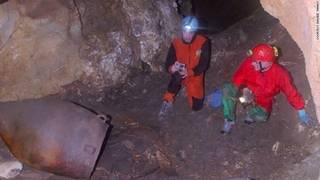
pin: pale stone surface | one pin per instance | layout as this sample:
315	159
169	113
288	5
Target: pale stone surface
299	18
307	169
37	55
10	169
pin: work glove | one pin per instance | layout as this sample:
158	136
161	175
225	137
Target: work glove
304	117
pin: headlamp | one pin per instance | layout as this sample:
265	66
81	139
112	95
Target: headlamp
187	28
189	24
247	96
242	99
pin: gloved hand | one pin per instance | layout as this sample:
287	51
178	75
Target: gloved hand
174	68
183	72
304	117
247	96
239	91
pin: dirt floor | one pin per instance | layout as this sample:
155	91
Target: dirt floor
188	145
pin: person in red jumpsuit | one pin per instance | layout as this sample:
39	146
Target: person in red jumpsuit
262	77
188	59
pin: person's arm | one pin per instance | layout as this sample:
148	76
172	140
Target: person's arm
171	58
295	98
204	59
239	77
292	94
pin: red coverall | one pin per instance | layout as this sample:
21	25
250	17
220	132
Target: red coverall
265	85
196	57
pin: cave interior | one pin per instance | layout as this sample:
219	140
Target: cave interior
189	145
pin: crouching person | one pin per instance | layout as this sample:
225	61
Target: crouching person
188	59
257	80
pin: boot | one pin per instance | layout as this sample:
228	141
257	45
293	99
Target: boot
248	120
165	108
227	126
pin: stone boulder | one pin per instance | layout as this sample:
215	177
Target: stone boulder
46	45
123	34
38	54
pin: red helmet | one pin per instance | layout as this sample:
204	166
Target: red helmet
264	52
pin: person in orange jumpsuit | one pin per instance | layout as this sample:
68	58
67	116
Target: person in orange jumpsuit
188	59
264	78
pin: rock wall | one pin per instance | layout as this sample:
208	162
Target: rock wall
38	53
45	45
124	34
300	19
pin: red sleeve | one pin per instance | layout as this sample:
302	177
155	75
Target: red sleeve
239	76
288	88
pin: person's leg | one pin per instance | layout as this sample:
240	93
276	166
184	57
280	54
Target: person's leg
195	92
256	113
172	89
228	100
229	105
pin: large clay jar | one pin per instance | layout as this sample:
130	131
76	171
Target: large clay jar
53	135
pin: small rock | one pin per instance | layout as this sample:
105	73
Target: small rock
301	128
99	99
225	163
131	84
315	133
195	176
238	165
182	154
163	160
128	144
10	169
275	147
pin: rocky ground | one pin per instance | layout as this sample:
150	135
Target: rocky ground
188	145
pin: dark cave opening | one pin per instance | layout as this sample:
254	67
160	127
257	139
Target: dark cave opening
3	1
217	15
